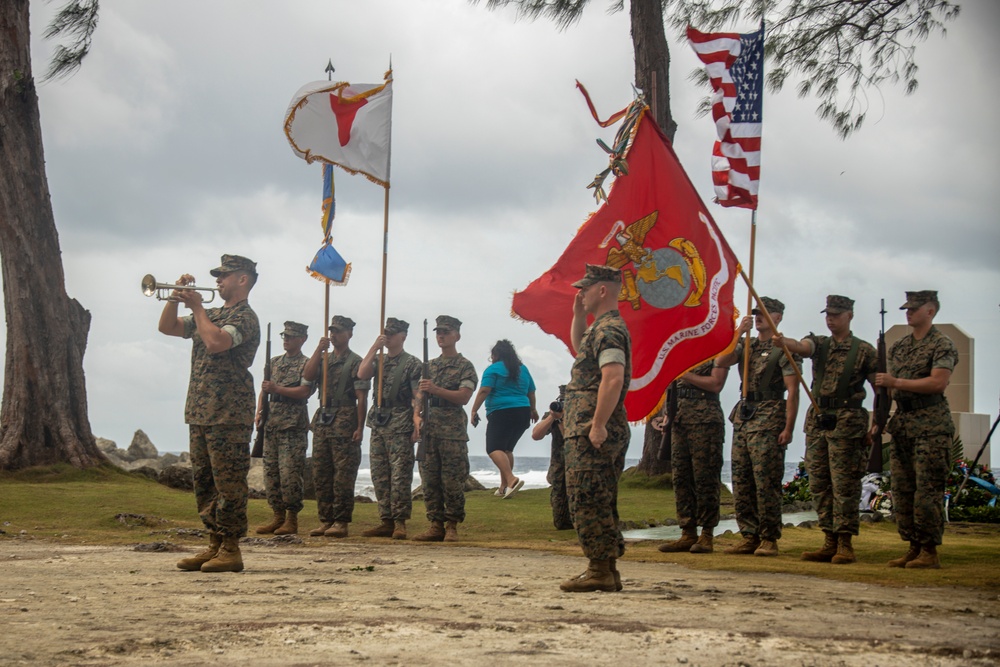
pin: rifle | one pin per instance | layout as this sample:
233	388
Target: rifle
265	404
425	374
666	442
882	404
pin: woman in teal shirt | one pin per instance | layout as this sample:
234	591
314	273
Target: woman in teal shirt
509	393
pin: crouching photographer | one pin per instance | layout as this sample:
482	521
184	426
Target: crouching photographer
551	423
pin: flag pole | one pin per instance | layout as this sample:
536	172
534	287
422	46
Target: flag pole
326	296
385	261
746	343
774	332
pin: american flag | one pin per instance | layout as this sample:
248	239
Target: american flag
735	65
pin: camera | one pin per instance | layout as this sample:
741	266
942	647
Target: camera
557	405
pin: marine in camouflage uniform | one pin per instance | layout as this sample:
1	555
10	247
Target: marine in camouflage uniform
551	424
762	429
393	428
837	440
445	434
920	367
595	453
286	432
338	427
220	405
697	438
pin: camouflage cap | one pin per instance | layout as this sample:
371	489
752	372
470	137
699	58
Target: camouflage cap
232	263
836	304
394	326
295	329
597	273
772	305
917	299
448	322
341	323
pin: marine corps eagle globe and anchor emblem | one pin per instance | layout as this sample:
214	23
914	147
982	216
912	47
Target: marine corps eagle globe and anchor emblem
665	277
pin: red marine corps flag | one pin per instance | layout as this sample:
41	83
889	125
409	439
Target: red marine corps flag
678	271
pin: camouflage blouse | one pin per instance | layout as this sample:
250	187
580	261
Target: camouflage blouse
343	405
851	422
399	406
607	334
450	421
221	388
286	371
770	414
698	410
912	359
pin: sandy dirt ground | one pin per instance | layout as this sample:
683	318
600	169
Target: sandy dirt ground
411	604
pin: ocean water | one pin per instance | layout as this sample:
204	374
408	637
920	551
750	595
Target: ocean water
532	469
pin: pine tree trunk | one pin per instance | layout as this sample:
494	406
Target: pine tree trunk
44	415
650	464
652	59
652	77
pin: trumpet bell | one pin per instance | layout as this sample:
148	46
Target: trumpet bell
163	291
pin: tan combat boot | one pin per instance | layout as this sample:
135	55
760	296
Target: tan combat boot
319	532
433	534
826	552
276	522
338	529
907	557
291	525
613	566
704	543
451	531
926	560
747	546
384	529
598	577
767	548
845	551
688	537
399	530
195	562
228	559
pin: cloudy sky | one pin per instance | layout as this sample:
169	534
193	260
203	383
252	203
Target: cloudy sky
166	150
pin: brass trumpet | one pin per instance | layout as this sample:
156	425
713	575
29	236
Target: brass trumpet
163	290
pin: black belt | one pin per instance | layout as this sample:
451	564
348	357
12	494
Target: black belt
918	402
278	398
699	394
330	403
833	403
438	402
757	396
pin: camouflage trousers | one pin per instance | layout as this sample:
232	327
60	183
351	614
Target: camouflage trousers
919	470
592	489
391	456
836	466
220	461
696	462
758	467
556	478
335	471
442	475
284	464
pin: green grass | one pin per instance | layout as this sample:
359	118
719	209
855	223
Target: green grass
69	506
